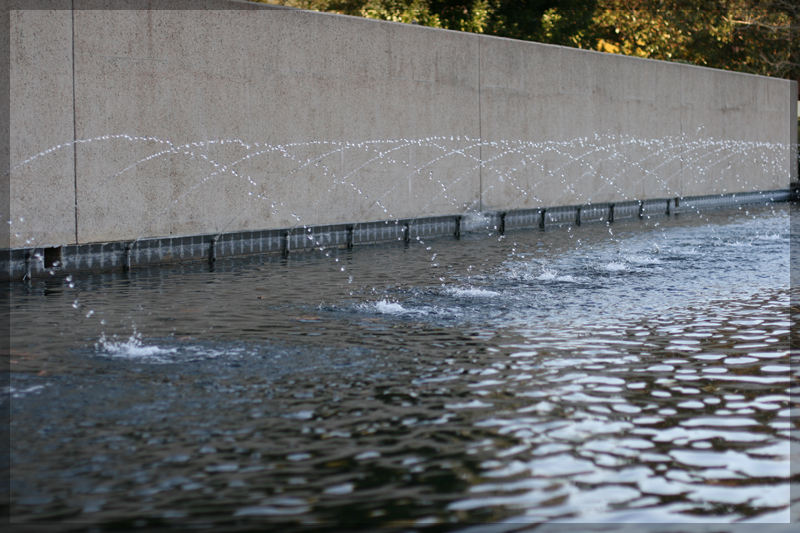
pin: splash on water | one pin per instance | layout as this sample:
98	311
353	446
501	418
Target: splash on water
386	307
21	392
158	351
615	266
548	274
472	292
132	348
642	260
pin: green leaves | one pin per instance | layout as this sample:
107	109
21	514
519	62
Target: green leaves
755	36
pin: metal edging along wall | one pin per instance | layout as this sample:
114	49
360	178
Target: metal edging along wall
26	263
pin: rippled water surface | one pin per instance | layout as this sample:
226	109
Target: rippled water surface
637	372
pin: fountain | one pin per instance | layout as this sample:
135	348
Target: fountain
615	364
230	168
118	159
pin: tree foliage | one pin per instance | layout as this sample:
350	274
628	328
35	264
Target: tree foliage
755	36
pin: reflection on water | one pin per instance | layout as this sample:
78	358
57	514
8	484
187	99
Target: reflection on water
638	372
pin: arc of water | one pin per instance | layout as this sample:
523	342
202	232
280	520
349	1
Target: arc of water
609	181
344	178
262	194
573	160
96	188
614	155
420	169
358	145
207	178
508	148
173	150
666	145
279	147
698	145
483	163
421	142
553	147
726	146
490	162
67	144
546	147
689	163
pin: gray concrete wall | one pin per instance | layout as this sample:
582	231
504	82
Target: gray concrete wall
794	163
240	117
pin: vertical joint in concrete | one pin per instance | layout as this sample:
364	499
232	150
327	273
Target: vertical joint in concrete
126	257
212	249
28	260
542	215
794	126
350	237
457	233
611	212
502	227
480	131
578	216
641	208
285	243
74	130
407	232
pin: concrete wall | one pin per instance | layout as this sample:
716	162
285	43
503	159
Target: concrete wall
301	99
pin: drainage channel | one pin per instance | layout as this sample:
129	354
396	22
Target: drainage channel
26	263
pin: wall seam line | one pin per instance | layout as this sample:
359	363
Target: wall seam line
480	130
682	139
74	129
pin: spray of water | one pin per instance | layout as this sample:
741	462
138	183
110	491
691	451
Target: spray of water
259	177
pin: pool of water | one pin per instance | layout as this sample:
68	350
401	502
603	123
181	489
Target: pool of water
637	372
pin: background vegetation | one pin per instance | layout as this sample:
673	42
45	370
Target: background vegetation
755	36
